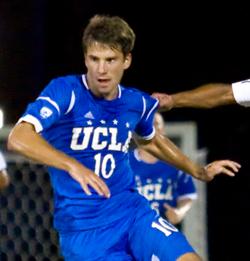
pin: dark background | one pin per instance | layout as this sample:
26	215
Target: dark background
178	47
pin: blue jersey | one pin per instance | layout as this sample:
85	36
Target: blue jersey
97	133
161	183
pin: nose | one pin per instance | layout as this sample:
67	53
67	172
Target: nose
102	67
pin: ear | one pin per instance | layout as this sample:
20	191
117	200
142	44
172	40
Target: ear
127	61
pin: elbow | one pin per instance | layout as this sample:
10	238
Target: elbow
20	138
12	143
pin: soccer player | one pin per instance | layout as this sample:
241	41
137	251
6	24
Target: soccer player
4	178
170	191
81	126
207	96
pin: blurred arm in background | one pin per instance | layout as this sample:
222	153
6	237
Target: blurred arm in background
207	96
4	177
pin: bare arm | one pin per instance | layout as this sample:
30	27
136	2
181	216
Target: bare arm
4	179
162	148
206	96
24	140
176	214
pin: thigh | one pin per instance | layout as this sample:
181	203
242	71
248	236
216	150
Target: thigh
153	238
108	243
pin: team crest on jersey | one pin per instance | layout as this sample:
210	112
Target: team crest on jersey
45	112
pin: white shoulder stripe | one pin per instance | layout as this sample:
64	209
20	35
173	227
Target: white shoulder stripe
72	102
144	106
152	109
51	102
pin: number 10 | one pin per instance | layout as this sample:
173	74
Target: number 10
101	165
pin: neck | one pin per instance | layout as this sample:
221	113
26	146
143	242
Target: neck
109	95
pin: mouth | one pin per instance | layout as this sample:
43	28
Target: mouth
103	80
104	83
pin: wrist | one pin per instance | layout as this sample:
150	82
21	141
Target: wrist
196	171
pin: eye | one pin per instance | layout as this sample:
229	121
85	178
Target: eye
110	60
94	59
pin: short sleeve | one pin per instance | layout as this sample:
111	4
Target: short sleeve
186	187
51	104
145	127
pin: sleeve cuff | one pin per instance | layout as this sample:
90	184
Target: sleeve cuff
34	121
241	92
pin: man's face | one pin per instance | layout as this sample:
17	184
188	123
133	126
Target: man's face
105	69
